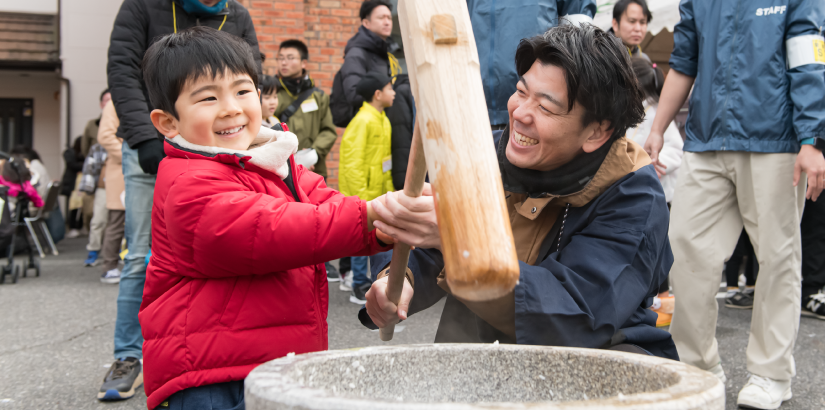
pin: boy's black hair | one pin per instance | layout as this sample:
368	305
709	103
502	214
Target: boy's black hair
270	84
369	5
621	7
188	55
370	83
298	45
597	71
25	151
651	79
103	93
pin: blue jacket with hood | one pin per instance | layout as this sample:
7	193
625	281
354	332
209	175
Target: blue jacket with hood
499	26
745	98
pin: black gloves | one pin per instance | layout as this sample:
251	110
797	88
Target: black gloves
150	153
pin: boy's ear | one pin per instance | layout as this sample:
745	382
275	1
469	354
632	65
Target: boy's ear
165	123
376	94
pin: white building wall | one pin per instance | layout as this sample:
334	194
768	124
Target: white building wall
29	6
86	26
44	88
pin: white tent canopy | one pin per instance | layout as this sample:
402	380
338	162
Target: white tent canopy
665	15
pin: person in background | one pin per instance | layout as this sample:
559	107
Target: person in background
364	169
74	165
813	259
736	297
115	191
40	175
16	175
92	185
750	147
651	79
138	24
630	19
499	26
90	132
269	100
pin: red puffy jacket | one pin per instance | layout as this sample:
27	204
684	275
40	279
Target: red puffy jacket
236	276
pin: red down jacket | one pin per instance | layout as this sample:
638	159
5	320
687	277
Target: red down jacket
236	276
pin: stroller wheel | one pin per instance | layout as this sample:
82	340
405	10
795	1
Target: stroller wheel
17	269
16	274
37	267
3	272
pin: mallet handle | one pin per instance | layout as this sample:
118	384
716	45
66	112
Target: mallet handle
413	187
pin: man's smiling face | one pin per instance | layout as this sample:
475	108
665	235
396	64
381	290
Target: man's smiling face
220	112
544	134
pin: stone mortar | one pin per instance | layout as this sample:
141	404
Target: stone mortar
475	376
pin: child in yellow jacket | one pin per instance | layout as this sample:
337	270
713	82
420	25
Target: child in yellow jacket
366	158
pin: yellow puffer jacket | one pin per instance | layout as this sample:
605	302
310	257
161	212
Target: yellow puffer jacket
366	156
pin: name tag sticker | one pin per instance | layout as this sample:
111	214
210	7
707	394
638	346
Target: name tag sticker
819	51
386	164
309	105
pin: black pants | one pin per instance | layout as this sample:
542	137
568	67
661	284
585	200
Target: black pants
743	249
813	247
344	265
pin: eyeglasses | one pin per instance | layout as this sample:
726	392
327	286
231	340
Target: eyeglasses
287	58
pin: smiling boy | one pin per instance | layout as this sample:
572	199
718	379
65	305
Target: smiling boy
239	232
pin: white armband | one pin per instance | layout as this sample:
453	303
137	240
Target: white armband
807	49
575	19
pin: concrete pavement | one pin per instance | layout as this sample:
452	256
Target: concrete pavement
56	339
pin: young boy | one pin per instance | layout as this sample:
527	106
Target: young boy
239	232
366	159
269	100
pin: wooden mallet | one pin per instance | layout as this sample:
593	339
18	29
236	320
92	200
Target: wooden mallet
453	132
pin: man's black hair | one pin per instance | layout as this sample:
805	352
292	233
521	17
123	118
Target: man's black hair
298	45
103	93
621	7
597	71
270	84
369	5
188	55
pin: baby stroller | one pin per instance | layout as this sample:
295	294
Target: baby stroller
12	228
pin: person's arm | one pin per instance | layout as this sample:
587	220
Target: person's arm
326	135
250	37
107	134
352	71
352	171
807	87
32	194
671	154
577	11
233	231
684	63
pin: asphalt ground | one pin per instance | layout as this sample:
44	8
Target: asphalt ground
56	339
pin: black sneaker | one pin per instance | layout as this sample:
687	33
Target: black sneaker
740	300
332	273
123	378
359	295
814	306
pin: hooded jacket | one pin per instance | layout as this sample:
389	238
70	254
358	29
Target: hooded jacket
139	23
591	263
745	98
499	26
236	277
365	52
365	151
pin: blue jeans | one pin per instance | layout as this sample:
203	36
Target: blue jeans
220	396
359	271
140	188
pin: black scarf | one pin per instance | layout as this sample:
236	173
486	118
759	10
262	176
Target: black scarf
298	85
569	178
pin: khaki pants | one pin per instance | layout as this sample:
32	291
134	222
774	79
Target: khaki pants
99	216
716	194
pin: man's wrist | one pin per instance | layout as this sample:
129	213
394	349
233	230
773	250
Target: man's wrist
818	143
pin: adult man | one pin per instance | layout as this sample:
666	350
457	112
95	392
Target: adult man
308	107
757	96
630	18
498	26
310	119
576	187
137	25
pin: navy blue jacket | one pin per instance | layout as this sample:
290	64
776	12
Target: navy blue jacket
745	98
594	291
499	26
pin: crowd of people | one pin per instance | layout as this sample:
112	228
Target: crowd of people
207	179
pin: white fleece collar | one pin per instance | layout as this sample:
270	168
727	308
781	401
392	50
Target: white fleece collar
269	150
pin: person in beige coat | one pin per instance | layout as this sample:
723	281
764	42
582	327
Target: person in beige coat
115	187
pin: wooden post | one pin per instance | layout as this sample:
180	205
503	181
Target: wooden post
452	122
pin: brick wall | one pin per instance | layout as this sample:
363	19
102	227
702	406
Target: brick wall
324	25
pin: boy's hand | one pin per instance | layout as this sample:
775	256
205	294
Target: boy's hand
409	220
381	310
